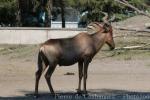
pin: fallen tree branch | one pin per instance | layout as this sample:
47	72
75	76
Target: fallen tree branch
124	2
132	29
137	35
131	47
147	25
128	47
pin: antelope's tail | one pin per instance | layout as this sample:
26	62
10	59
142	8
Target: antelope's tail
39	62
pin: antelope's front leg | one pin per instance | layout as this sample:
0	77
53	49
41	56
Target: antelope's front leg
80	67
86	64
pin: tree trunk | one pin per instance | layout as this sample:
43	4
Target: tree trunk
62	13
49	10
18	16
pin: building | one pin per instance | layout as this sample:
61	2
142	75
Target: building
71	18
33	11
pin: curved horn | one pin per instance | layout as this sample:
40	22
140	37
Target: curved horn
112	18
105	18
94	27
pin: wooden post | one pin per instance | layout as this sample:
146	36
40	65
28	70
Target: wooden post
62	13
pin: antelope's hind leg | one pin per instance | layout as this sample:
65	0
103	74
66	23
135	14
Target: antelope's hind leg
48	77
40	70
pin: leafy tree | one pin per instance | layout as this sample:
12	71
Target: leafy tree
8	10
46	5
35	12
60	9
110	6
26	12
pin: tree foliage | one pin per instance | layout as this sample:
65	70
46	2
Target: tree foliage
110	6
9	8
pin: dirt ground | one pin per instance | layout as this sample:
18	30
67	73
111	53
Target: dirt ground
112	74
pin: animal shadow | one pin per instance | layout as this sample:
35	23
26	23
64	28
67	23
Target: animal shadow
93	94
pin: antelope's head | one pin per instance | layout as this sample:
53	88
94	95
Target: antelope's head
108	30
104	27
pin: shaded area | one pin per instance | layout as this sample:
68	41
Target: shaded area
93	94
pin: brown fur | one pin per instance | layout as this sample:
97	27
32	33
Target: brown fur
64	52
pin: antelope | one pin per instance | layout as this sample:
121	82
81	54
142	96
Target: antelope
79	49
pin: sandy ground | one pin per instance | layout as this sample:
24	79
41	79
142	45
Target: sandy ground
112	75
106	76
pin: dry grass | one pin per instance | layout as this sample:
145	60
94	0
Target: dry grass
29	52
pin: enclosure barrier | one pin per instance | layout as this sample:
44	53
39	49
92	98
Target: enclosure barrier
24	35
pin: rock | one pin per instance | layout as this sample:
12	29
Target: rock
69	73
147	25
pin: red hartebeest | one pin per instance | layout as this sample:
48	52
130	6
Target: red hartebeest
78	49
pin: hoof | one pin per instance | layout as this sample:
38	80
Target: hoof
79	91
85	93
54	95
36	96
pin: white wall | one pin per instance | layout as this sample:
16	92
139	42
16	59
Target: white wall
34	35
68	24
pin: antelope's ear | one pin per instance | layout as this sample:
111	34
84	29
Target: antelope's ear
92	28
106	27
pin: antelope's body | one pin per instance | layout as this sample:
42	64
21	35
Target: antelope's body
79	49
66	52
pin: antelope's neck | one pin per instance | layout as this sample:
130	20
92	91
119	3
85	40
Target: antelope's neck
99	40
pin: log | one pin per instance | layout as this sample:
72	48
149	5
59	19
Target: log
132	29
131	47
136	35
128	47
